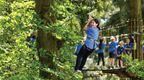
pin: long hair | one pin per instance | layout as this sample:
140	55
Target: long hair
100	44
131	38
98	22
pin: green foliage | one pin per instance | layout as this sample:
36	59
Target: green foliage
100	9
2	7
18	61
64	65
67	29
135	66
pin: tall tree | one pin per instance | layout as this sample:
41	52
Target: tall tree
46	42
136	24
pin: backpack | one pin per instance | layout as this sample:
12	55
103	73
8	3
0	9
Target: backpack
77	49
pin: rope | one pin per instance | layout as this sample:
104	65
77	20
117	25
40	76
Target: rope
120	25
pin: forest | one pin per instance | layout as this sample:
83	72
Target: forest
38	37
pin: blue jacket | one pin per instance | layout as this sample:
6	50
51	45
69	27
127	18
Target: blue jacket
120	50
92	36
102	48
112	46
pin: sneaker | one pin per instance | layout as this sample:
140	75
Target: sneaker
79	71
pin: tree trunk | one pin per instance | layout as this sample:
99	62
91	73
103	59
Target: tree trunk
143	21
143	9
45	40
136	25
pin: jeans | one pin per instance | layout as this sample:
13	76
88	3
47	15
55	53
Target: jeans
82	57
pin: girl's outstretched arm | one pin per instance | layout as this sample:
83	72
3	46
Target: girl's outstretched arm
87	24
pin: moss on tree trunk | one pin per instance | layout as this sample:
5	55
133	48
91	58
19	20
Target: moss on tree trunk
45	40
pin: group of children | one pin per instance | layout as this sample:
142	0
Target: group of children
116	48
